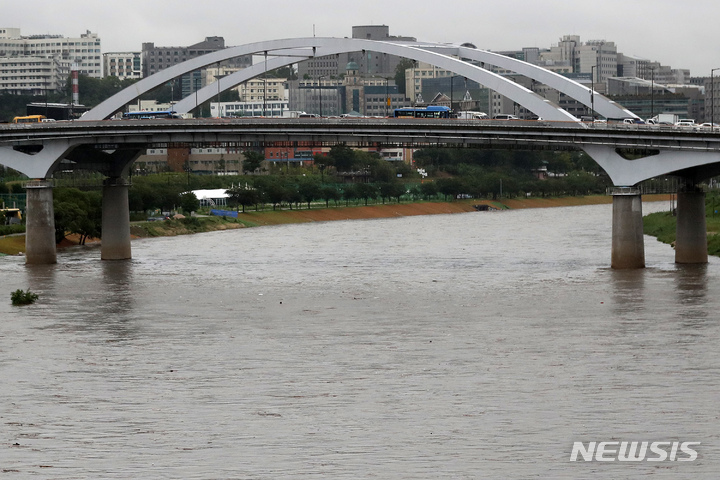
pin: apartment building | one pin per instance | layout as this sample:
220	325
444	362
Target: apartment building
84	51
256	89
123	65
37	64
21	75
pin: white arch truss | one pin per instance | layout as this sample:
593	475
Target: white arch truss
288	51
603	105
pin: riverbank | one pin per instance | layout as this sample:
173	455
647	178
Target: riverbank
14	245
662	225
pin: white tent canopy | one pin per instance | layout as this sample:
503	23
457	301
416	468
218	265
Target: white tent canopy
217	196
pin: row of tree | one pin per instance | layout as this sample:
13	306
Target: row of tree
284	190
458	173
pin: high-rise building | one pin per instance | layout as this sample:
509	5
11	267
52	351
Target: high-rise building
155	59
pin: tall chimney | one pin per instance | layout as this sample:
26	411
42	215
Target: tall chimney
75	85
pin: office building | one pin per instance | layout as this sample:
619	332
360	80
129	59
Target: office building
155	59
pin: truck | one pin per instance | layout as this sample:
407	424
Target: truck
666	119
472	115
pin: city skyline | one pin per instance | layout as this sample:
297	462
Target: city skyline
652	29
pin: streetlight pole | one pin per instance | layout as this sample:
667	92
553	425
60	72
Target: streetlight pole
195	81
265	85
320	90
712	100
387	96
592	91
451	91
218	85
652	92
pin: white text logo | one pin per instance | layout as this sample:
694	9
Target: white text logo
634	451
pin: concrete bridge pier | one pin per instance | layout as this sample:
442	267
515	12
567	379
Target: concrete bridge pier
628	247
40	224
115	220
691	231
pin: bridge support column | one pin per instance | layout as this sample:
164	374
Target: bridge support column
628	248
40	224
691	236
115	220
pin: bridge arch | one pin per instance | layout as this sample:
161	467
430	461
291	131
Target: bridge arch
603	105
292	50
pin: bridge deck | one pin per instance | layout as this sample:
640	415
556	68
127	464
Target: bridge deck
364	131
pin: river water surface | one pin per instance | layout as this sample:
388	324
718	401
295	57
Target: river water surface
466	346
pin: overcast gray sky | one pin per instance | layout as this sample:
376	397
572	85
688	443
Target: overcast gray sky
677	33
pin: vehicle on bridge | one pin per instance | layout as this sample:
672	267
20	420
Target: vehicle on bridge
467	115
29	119
144	115
686	123
505	116
432	111
626	121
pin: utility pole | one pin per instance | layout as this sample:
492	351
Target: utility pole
712	101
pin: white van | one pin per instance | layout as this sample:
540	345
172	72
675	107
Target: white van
505	116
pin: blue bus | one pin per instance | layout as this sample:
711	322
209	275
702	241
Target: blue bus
144	115
431	111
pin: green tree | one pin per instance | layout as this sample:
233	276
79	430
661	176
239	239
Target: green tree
403	65
309	189
392	189
322	162
450	187
77	212
276	191
342	157
189	202
351	192
380	170
96	90
428	189
561	163
367	191
292	194
243	196
329	192
252	162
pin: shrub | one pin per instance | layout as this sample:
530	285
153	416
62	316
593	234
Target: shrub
20	297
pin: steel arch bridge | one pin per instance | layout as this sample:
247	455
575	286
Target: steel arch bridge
278	53
47	152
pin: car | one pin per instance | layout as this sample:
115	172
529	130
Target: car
633	121
505	116
710	125
686	124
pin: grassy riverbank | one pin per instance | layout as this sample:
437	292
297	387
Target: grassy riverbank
13	245
661	225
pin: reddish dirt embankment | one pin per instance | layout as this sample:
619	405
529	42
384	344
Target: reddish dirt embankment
16	244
